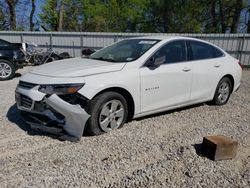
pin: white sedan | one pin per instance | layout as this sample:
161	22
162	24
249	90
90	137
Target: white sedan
129	79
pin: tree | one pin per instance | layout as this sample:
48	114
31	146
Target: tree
93	15
12	13
174	16
32	12
113	15
179	16
49	15
4	22
61	15
224	15
236	16
61	12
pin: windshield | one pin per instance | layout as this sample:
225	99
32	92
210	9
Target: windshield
124	51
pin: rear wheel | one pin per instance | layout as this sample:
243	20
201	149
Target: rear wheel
223	91
108	112
7	70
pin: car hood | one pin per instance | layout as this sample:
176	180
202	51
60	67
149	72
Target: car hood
76	67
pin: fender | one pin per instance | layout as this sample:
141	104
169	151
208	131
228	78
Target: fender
96	84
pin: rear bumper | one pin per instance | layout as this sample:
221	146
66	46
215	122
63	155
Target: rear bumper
51	113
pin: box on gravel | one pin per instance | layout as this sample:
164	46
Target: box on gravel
219	147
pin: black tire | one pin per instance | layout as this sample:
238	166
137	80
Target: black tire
8	66
223	82
95	107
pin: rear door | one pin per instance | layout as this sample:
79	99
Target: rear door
207	69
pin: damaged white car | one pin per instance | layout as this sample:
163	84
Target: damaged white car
129	79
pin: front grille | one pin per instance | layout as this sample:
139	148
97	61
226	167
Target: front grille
25	101
26	85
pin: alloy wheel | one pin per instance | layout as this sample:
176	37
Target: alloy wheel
111	115
223	92
5	70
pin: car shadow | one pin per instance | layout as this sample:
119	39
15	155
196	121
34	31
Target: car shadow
15	117
171	111
17	75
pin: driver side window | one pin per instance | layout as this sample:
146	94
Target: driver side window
174	52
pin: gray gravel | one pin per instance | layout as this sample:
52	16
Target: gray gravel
158	151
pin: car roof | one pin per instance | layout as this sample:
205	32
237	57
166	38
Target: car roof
165	38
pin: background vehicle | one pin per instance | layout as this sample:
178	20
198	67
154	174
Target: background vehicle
39	56
129	79
86	52
48	56
12	57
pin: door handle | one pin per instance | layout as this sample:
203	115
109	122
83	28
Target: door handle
217	65
186	69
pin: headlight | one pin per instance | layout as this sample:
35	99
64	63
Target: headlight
61	89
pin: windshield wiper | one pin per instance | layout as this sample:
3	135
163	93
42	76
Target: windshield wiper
104	59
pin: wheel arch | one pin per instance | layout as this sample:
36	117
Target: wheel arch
6	59
126	94
9	60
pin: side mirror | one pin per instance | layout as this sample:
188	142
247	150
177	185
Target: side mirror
159	61
155	62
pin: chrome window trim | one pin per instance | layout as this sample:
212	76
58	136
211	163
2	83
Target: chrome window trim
185	40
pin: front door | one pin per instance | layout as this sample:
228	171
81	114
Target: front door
168	84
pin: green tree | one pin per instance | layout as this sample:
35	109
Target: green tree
50	16
173	16
113	15
61	15
179	16
222	15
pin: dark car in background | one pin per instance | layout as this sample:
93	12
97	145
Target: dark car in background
12	57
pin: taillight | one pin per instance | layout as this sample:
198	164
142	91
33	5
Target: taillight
240	64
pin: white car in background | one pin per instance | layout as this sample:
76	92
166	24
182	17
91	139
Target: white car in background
129	79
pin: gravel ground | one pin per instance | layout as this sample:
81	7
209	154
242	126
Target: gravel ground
157	151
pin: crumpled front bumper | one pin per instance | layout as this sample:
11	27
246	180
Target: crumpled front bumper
70	118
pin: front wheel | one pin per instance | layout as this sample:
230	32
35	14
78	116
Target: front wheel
223	91
108	112
7	70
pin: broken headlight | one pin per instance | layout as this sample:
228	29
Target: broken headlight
61	89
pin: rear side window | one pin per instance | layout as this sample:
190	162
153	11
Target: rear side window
202	50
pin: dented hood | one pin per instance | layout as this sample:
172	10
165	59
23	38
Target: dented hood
76	67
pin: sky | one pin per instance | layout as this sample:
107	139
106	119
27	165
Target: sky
39	4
